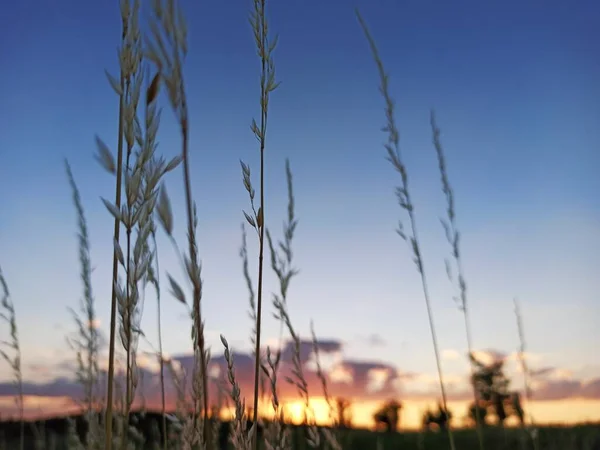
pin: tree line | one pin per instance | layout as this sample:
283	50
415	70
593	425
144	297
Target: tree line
495	400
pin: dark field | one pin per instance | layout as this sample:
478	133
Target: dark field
580	437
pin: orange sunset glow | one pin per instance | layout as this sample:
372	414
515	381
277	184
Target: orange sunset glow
563	396
567	411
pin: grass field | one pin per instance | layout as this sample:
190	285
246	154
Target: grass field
141	208
581	437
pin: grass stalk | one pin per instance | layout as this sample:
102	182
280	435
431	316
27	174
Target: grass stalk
168	50
453	238
12	354
531	428
127	301
155	280
394	156
128	305
299	379
86	344
265	48
116	235
260	29
276	434
282	265
332	438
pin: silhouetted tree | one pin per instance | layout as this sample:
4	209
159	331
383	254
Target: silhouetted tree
439	418
343	412
493	395
473	413
517	408
388	415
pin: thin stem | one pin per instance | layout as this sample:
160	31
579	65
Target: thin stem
404	198
478	420
170	65
524	367
431	326
128	325
113	302
160	350
194	261
453	238
261	22
260	287
14	358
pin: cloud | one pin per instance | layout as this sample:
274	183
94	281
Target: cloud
558	389
375	340
450	354
353	379
541	372
554	383
306	349
591	389
489	356
60	387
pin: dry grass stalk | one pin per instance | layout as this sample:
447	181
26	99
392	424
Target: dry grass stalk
277	435
252	302
142	174
86	341
282	265
332	438
453	237
167	49
12	354
265	49
105	158
531	428
132	213
215	417
321	374
239	438
298	379
182	422
154	278
249	284
394	156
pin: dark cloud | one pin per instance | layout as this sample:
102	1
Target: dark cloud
355	385
360	370
60	387
306	349
354	382
348	378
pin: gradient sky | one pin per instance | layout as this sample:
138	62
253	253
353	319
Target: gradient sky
516	88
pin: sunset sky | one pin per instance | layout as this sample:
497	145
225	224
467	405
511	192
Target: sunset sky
516	89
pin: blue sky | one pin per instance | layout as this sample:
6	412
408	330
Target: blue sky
516	91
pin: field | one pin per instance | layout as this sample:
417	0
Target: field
151	76
581	437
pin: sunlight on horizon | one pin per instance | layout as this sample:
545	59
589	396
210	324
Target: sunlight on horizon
553	412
